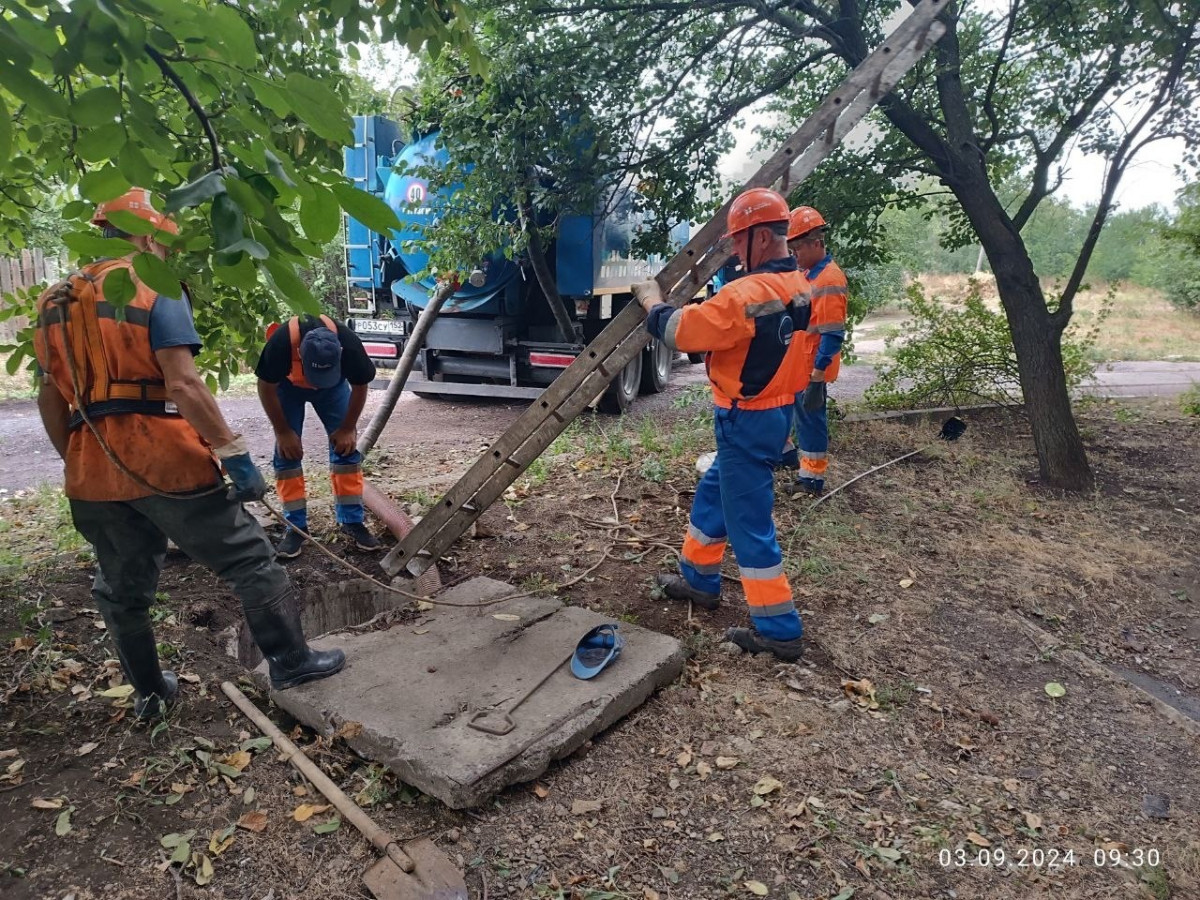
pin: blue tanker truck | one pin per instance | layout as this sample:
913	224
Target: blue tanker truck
497	336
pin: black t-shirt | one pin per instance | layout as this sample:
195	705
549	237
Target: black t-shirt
275	361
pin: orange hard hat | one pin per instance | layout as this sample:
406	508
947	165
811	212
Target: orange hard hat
137	201
757	206
803	220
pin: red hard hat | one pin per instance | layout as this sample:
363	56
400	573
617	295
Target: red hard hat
803	220
757	206
137	201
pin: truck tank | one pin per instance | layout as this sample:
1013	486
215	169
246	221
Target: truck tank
498	335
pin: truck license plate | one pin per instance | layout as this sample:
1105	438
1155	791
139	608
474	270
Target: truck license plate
377	326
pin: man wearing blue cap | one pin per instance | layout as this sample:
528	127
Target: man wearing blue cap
318	361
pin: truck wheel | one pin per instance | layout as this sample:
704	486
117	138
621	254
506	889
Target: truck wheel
656	366
623	390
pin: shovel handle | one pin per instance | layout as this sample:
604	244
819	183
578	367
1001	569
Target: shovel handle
350	811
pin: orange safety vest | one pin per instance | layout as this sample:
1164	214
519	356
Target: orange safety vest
121	388
296	375
829	297
754	353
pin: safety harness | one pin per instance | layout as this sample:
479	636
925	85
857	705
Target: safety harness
97	392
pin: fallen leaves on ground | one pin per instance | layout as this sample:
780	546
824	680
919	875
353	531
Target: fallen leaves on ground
727	762
861	692
583	807
766	785
306	811
254	821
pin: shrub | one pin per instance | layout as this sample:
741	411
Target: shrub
952	356
1189	401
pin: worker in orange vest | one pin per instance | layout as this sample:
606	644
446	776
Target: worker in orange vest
144	442
315	360
822	342
749	331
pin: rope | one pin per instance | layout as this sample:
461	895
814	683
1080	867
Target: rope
61	299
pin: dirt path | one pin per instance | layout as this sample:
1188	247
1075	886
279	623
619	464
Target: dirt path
428	438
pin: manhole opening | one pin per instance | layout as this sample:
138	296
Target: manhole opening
325	608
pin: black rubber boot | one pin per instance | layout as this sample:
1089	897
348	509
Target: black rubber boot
814	487
276	629
155	705
138	652
677	588
753	642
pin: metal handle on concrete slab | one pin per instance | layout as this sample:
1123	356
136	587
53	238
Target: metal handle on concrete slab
507	723
379	838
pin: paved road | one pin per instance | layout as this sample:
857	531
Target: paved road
441	437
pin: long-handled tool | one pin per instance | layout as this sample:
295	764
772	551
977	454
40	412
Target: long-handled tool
418	871
500	721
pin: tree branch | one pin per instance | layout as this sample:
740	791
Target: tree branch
171	75
1128	147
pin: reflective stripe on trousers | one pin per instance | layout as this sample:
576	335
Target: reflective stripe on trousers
734	503
812	436
345	471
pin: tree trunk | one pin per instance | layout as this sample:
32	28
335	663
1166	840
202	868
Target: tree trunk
1062	460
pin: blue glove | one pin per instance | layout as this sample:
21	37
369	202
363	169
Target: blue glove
814	396
248	483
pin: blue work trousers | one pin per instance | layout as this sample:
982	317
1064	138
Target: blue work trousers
734	502
345	471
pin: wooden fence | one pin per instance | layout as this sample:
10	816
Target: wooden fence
19	272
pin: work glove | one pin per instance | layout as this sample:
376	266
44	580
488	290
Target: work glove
790	458
648	294
814	396
248	483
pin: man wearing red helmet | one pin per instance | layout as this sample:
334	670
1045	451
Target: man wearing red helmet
755	367
822	341
144	442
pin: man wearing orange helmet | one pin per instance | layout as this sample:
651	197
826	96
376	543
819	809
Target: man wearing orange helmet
144	441
755	367
822	341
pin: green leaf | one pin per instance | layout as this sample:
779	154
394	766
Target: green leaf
367	208
1054	689
62	825
320	108
99	144
27	86
233	32
328	827
119	288
229	224
256	745
99	106
320	215
207	186
130	223
182	853
90	245
271	96
241	275
283	276
103	184
170	841
249	246
134	165
14	361
156	275
275	169
5	131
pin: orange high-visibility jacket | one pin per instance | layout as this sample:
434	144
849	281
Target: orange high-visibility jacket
121	388
829	296
747	330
